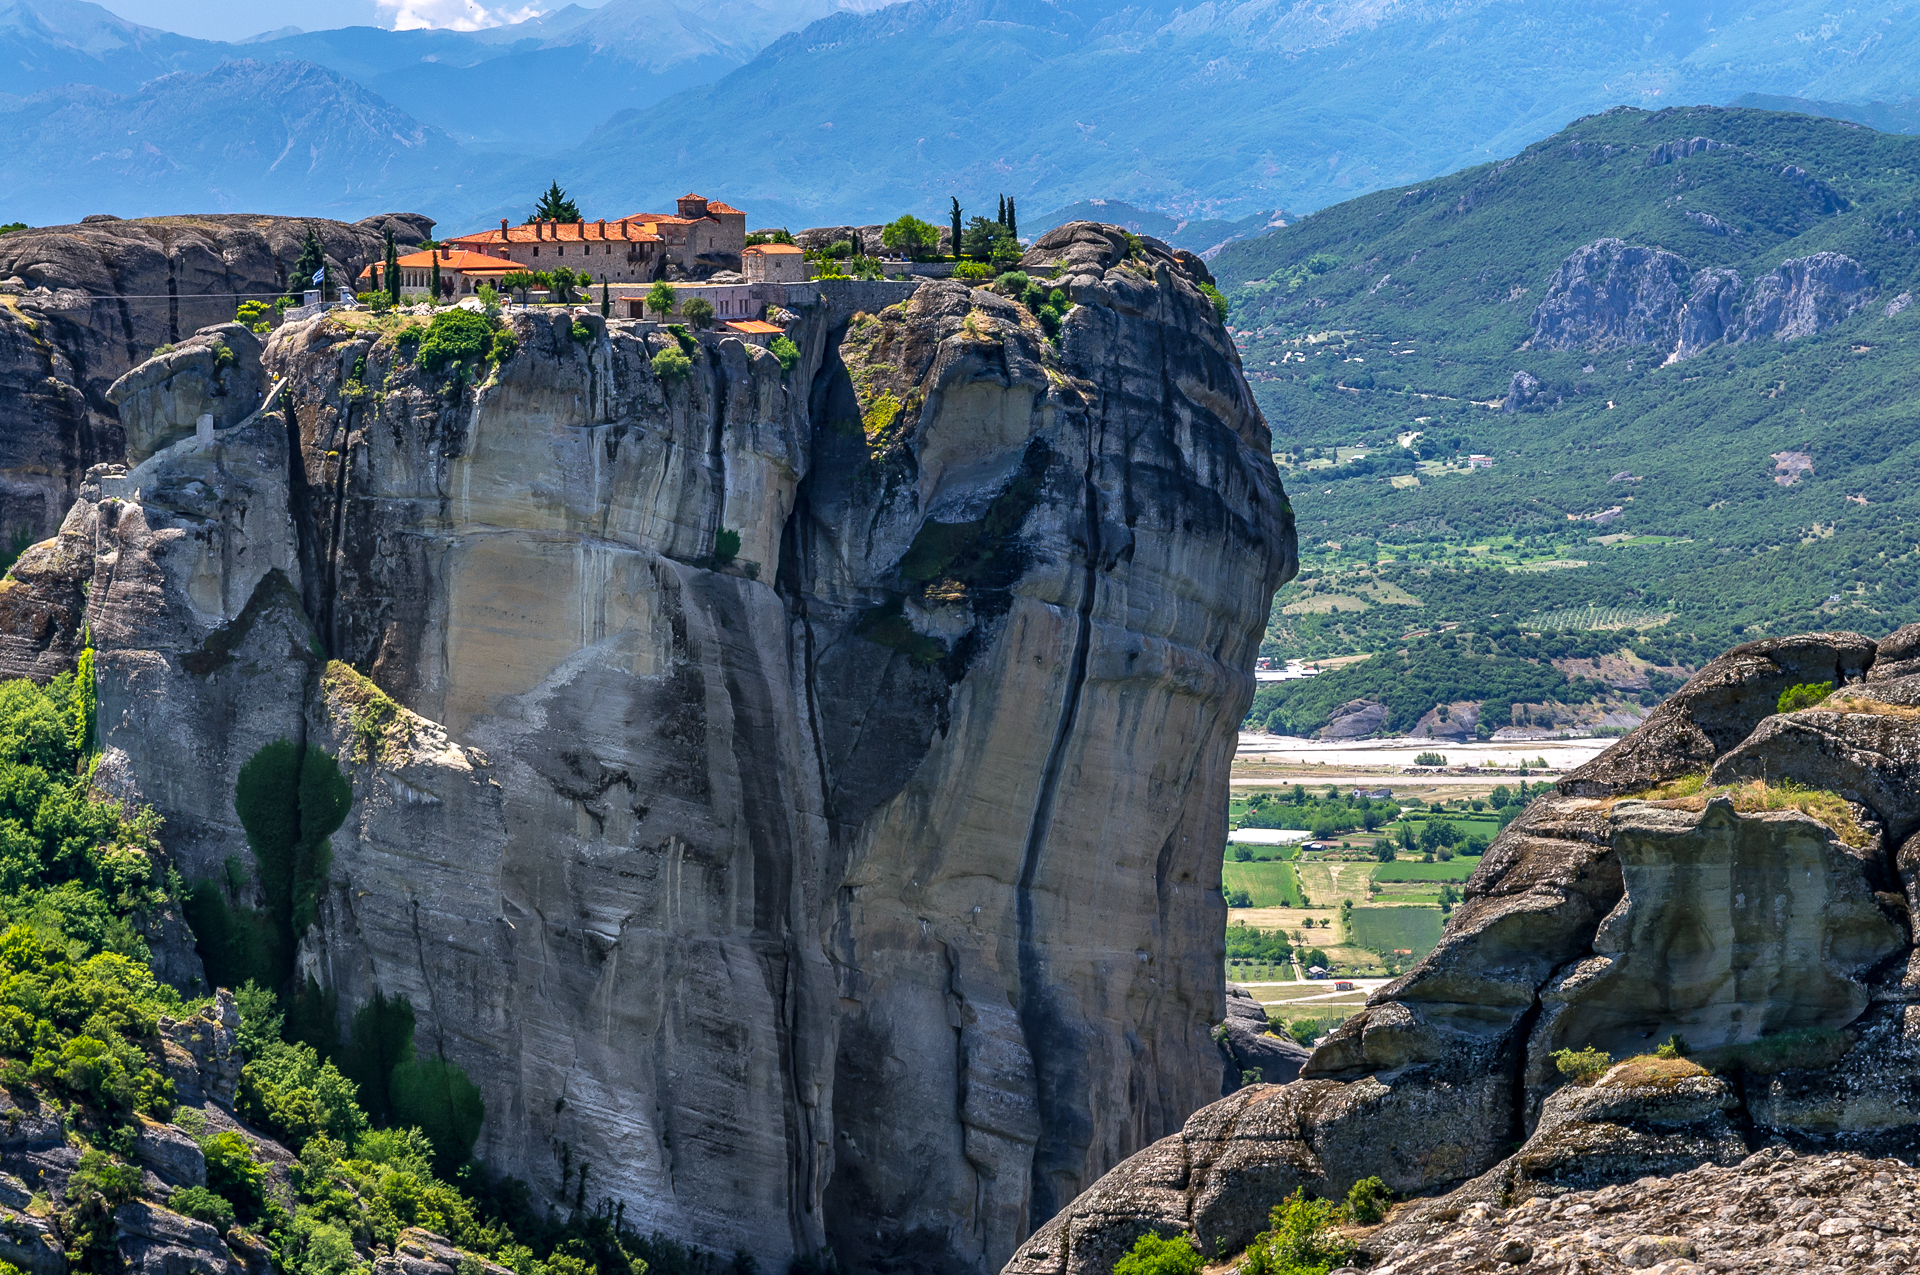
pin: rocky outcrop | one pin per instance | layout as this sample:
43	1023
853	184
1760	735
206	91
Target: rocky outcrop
1733	880
213	376
1770	1211
1712	310
80	306
1613	295
1804	295
1250	1051
854	883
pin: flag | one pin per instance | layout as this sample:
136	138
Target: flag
320	275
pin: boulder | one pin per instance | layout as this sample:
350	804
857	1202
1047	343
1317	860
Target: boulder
1896	655
1649	1116
29	1242
203	1057
214	375
1355	719
156	1241
172	1155
1248	1045
1859	746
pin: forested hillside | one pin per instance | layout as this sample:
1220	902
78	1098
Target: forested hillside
1702	432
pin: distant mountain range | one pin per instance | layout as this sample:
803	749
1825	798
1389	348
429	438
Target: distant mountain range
823	111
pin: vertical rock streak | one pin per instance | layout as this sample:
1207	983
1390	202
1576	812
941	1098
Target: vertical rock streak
900	977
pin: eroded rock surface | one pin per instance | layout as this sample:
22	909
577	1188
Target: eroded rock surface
856	884
1729	880
81	306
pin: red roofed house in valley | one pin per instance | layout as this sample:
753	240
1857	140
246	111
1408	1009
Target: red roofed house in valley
702	237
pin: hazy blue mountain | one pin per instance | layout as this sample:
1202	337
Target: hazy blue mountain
1214	111
47	43
278	137
1205	235
1902	117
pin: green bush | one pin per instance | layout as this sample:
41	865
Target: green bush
503	347
698	312
1581	1065
454	336
1795	698
1220	304
661	298
202	1205
1301	1240
671	365
1676	1047
582	333
973	271
786	351
726	545
1367	1201
232	1172
1153	1254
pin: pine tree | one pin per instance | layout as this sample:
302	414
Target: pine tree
392	265
956	228
555	206
1013	226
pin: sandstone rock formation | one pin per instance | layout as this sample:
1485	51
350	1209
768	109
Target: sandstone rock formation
1730	878
858	884
82	305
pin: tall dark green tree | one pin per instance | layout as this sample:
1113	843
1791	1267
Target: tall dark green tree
1013	225
606	299
555	206
433	280
1001	216
311	261
392	266
956	227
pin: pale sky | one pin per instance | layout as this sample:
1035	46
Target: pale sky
238	19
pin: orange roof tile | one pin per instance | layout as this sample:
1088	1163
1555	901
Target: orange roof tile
561	232
782	248
754	327
715	206
464	262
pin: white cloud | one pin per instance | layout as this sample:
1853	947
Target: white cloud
453	15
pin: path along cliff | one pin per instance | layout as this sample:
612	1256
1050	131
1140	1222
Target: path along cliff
1736	880
795	793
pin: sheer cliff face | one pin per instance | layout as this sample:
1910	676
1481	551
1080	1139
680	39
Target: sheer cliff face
860	887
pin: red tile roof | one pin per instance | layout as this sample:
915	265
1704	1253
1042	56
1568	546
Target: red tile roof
715	206
560	232
453	262
772	247
754	327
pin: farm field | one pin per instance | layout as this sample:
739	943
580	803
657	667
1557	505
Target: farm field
1384	929
1456	869
1270	885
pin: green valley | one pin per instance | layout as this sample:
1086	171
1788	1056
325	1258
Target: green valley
1547	475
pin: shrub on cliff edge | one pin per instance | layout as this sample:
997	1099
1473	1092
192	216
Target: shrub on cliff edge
1153	1254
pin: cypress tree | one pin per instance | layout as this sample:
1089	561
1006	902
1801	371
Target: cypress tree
956	227
1013	226
606	299
1002	217
433	280
311	261
392	268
